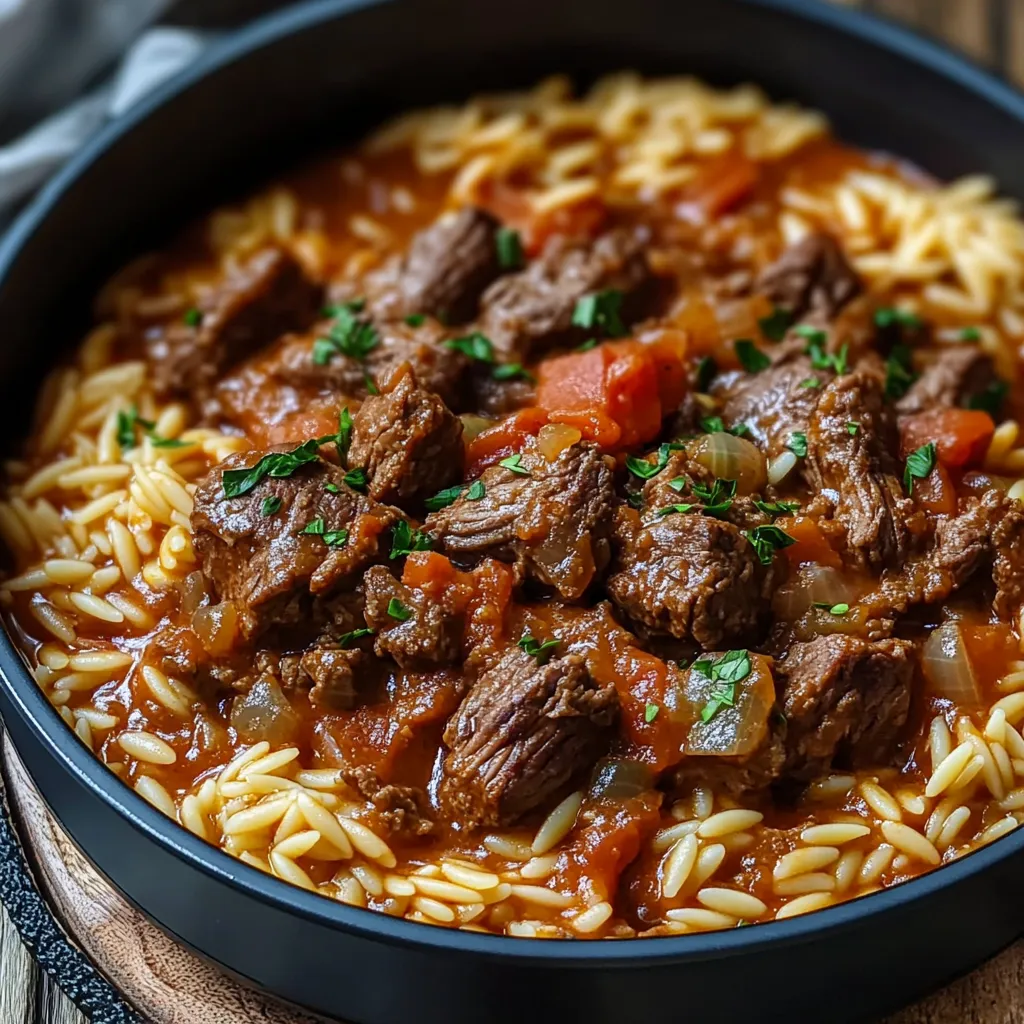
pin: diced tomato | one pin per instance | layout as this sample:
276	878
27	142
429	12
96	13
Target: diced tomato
936	493
811	544
618	393
503	439
430	572
718	187
961	436
513	208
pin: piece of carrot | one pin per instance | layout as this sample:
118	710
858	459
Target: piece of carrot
961	436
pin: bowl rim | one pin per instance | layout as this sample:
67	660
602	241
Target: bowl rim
44	720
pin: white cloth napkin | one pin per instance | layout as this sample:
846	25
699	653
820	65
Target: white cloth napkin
78	37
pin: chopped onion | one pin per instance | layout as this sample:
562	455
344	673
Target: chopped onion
193	592
473	425
813	584
619	780
733	458
216	626
733	730
264	713
554	438
947	665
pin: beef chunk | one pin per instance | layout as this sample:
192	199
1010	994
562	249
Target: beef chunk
949	377
552	518
692	577
274	568
334	674
858	466
446	268
437	368
811	279
427	636
526	312
845	701
401	809
267	296
408	441
1008	571
522	732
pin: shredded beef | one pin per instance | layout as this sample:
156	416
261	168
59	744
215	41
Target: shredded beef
950	377
403	810
811	278
522	732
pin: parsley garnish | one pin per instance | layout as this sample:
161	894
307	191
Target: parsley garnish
899	373
587	345
350	335
332	488
775	325
370	384
651	713
357	479
540	651
714	425
810	382
707	368
405	540
728	670
476	491
416	319
752	359
237	482
476	346
777	508
890	316
798	445
642	468
444	498
513	371
970	334
314	526
812	335
600	310
681	507
852	428
356	634
717	497
989	400
166	442
193	317
919	464
820	359
271	504
399	611
127	421
342	439
766	540
510	248
336	538
512	465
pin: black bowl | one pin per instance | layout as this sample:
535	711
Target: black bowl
313	76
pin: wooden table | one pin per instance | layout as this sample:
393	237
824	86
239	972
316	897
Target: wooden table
992	32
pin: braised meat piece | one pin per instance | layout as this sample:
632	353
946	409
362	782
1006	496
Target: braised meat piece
267	296
408	441
851	445
527	312
278	551
951	376
1008	570
811	279
403	810
845	701
522	732
334	673
411	628
446	268
693	577
551	517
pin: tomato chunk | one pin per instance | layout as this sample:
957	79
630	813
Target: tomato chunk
719	186
961	436
503	439
811	544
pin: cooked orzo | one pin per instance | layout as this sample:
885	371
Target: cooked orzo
558	516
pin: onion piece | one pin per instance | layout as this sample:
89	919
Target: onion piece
812	584
730	457
947	665
216	626
473	425
614	779
193	592
554	438
264	713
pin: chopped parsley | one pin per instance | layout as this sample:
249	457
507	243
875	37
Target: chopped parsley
644	469
919	464
336	538
343	438
476	491
127	421
193	317
891	316
444	498
766	540
681	507
651	713
510	248
751	358
833	609
812	335
538	650
332	488
166	442
777	508
513	371
820	359
513	466
476	346
899	373
707	369
970	334
405	540
350	335
587	345
714	425
370	384
798	445
810	382
314	526
356	634
416	319
357	479
399	611
852	428
600	311
237	482
775	325
717	497
990	399
679	484
271	504
727	671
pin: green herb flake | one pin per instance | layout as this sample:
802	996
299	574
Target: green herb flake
775	325
167	442
970	334
712	425
810	382
707	370
350	335
343	438
751	358
271	504
812	335
193	317
798	445
541	651
839	609
822	360
600	311
513	371
370	384
777	508
651	713
509	245
405	540
891	316
679	484
357	479
990	399
920	463
315	527
476	345
766	540
332	488
899	372
444	498
336	538
416	319
852	428
237	482
716	496
399	611
513	466
587	345
682	508
728	671
476	491
356	634
127	420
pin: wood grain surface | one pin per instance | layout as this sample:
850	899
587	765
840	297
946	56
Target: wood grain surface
170	986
